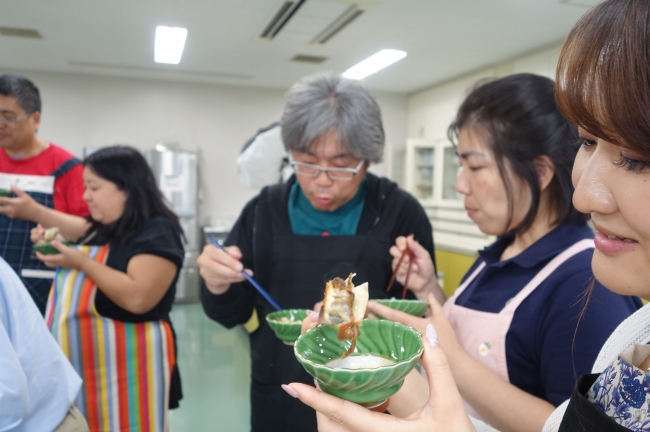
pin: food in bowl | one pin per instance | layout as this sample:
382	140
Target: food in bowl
286	324
356	362
285	320
44	245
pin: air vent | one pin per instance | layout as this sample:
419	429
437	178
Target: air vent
281	18
352	13
20	32
309	59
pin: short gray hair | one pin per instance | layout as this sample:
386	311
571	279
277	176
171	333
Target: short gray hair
319	103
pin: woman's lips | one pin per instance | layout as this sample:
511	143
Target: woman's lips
610	244
470	211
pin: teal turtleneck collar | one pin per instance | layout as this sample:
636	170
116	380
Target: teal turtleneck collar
306	220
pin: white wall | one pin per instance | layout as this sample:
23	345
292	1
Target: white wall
90	111
431	110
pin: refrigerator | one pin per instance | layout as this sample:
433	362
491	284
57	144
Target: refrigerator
177	176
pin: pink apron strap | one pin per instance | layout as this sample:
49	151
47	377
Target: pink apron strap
466	283
448	306
540	277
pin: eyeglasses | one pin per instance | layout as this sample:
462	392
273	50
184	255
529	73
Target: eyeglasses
10	118
309	170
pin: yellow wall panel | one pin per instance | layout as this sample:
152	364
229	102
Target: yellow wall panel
454	266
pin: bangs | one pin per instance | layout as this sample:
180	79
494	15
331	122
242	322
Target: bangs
603	74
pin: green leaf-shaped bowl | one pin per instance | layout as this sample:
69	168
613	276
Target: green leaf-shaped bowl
6	193
411	307
287	332
369	386
47	248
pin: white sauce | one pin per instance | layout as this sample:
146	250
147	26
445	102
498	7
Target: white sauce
360	362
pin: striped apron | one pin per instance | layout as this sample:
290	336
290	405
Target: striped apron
126	367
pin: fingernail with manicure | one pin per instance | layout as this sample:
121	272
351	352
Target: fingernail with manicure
292	392
432	336
313	317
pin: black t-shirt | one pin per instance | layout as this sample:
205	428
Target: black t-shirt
157	237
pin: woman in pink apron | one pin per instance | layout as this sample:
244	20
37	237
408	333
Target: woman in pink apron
110	301
511	330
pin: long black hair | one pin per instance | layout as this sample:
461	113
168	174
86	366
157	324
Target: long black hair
522	121
128	170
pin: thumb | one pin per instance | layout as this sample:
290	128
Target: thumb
401	243
417	249
58	245
17	191
443	393
434	305
234	252
394	315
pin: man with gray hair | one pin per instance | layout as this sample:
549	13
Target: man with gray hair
332	218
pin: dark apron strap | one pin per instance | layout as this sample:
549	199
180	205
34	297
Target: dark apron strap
65	167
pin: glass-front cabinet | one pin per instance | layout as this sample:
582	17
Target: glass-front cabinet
420	170
430	172
450	167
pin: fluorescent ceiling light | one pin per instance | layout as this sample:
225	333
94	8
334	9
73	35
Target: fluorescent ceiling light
374	63
170	42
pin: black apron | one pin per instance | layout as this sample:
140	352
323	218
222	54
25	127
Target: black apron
295	273
15	235
582	415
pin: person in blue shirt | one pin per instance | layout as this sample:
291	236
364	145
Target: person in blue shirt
38	386
518	331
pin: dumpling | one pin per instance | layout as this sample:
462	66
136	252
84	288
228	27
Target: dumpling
50	234
344	307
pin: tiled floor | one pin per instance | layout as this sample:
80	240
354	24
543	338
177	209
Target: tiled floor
215	371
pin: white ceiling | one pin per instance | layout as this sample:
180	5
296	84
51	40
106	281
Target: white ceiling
443	38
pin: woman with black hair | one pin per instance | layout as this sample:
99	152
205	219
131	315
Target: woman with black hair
510	331
110	301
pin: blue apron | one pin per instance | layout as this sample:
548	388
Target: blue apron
15	241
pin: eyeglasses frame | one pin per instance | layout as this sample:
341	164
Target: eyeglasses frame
327	170
6	121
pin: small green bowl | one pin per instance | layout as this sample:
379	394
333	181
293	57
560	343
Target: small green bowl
369	387
411	307
6	193
47	248
287	332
